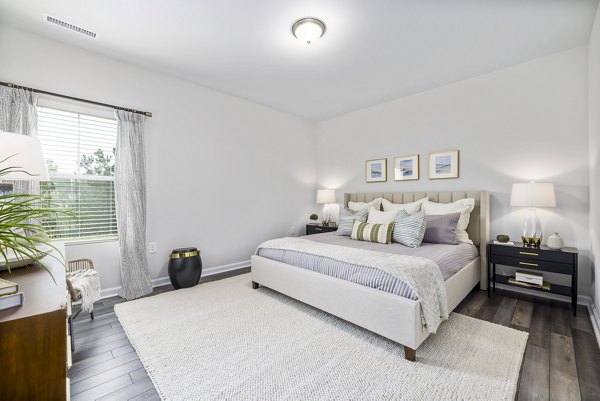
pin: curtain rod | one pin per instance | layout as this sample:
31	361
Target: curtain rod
11	85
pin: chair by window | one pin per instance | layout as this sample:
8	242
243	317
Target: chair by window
74	268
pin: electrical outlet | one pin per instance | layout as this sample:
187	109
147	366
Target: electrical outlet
293	230
152	247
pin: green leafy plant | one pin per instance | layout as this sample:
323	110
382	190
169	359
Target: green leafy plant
314	217
20	230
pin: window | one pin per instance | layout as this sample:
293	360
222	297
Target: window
80	153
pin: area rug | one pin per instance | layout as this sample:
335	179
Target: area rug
224	340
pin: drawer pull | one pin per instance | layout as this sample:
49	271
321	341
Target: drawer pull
529	253
318	229
528	264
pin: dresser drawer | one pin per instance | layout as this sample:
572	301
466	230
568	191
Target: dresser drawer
532	253
528	263
69	354
68	303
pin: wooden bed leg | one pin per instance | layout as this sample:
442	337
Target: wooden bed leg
255	285
410	354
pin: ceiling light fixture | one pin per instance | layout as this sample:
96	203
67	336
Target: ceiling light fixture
308	29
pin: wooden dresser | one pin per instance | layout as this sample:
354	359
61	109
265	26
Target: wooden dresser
34	343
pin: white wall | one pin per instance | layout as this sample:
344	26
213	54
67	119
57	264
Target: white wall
526	122
594	138
224	174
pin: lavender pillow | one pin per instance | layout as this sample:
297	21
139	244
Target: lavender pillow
441	228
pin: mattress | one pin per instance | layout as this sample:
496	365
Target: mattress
449	258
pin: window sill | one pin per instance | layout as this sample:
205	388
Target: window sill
89	241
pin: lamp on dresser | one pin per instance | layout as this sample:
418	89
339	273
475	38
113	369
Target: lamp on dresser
23	153
21	233
532	195
34	341
325	197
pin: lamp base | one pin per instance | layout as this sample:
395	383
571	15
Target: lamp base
6	189
531	242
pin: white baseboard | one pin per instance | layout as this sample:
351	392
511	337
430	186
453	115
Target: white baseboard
595	318
160	281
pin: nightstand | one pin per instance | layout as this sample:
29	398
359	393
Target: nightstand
543	259
318	229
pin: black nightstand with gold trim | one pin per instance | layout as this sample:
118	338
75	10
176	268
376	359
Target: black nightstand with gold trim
543	259
318	229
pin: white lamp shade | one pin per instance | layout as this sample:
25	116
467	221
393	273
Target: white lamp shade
23	153
533	194
325	196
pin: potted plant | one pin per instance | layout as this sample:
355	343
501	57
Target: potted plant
21	232
314	217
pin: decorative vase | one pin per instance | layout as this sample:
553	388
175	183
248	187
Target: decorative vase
532	230
502	238
185	267
555	241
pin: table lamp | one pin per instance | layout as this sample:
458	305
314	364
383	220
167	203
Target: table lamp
325	197
22	159
532	195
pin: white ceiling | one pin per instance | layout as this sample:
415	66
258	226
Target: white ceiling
373	50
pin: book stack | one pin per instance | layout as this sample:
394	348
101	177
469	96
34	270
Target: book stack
9	294
529	280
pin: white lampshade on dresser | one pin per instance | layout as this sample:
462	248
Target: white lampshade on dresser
325	197
24	154
22	159
532	195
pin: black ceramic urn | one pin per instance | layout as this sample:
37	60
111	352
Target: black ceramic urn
185	267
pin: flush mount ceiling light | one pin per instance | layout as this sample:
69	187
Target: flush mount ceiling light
308	29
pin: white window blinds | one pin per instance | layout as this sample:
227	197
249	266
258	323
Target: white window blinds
79	151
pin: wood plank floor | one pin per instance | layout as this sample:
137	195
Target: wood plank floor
561	362
562	358
105	366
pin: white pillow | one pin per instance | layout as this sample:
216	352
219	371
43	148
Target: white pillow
358	206
464	206
378	217
411	208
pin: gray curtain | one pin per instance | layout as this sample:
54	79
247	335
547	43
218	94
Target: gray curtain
130	191
18	114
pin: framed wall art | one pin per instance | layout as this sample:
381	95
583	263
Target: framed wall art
376	170
443	165
406	168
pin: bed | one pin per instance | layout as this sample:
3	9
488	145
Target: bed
389	315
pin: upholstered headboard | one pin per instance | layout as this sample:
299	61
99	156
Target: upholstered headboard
479	224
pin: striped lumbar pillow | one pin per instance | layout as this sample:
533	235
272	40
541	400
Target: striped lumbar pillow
409	230
381	233
347	218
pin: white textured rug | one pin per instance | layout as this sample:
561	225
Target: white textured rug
224	340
